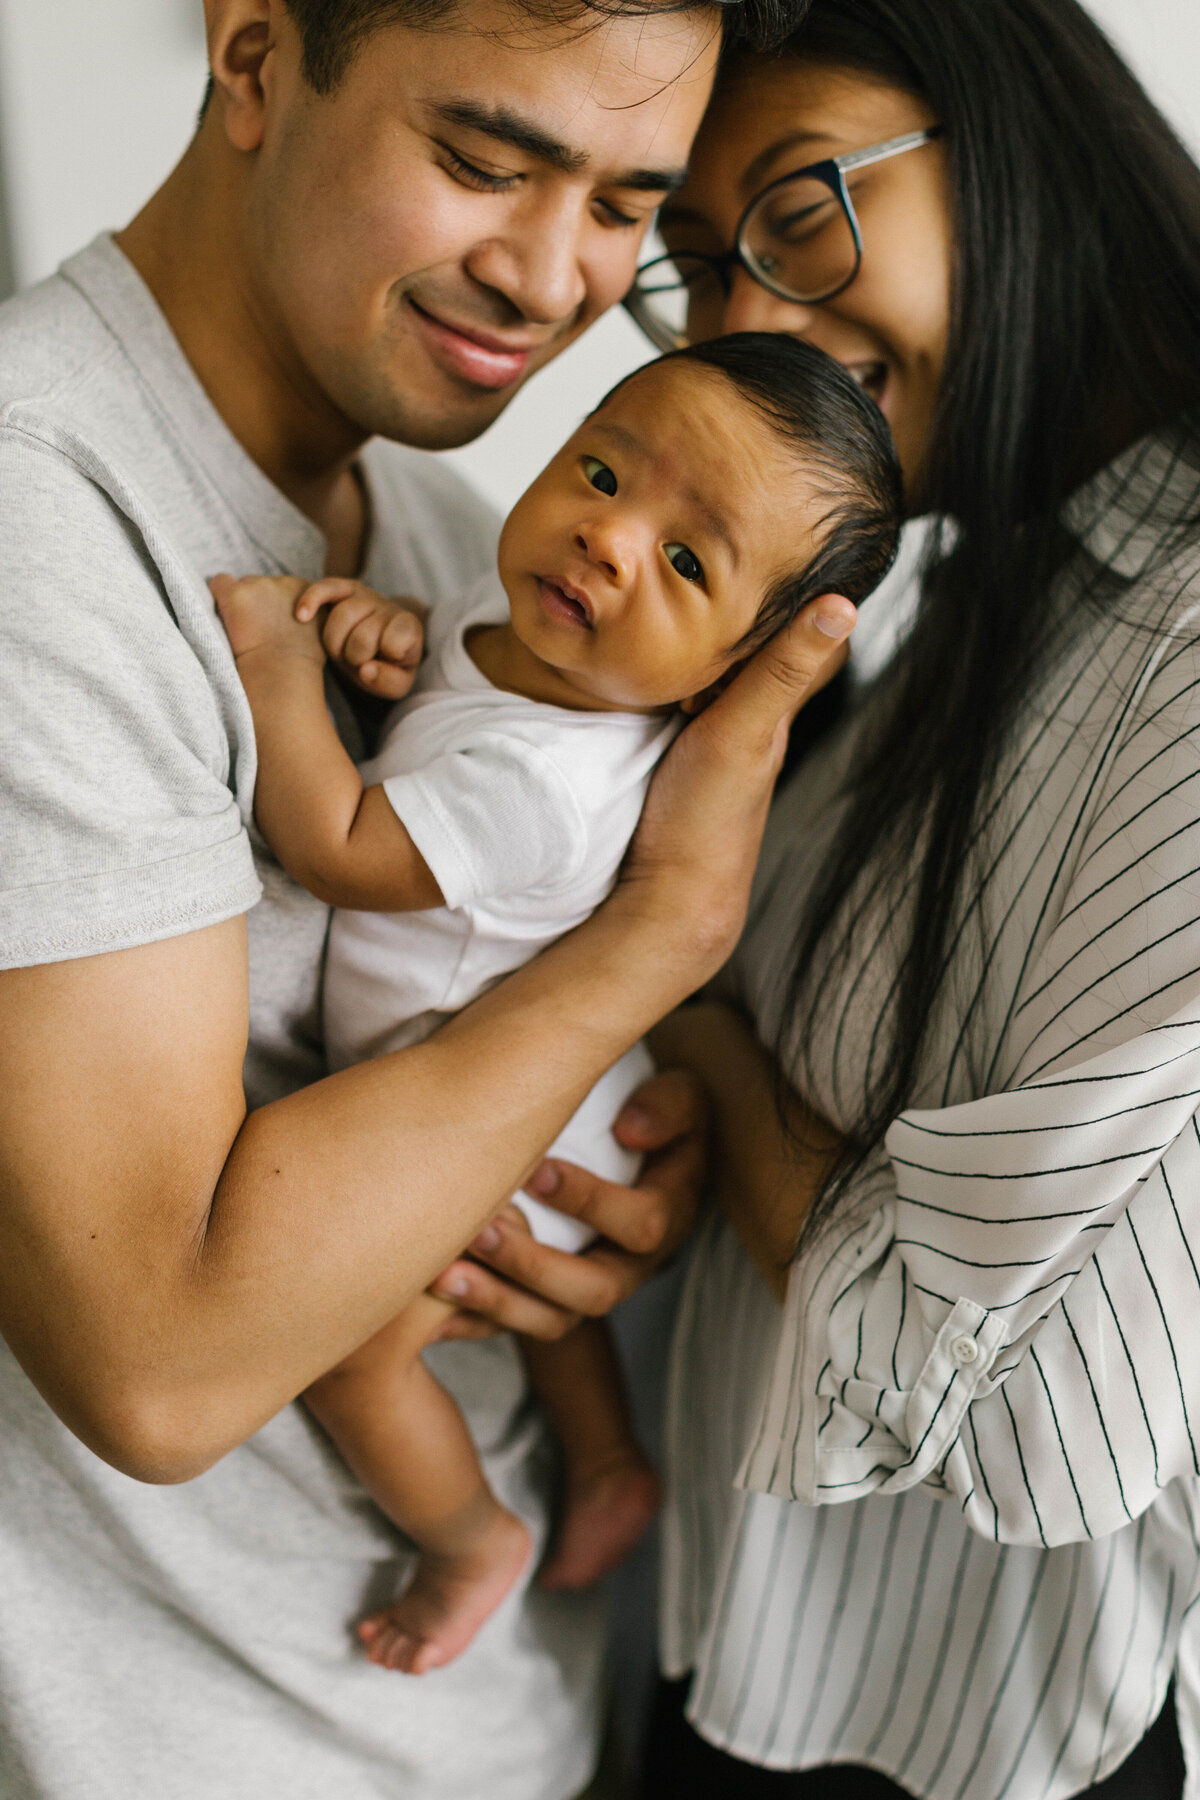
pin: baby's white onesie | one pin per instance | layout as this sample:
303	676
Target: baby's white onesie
523	812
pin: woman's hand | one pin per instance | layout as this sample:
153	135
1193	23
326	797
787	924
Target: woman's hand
513	1283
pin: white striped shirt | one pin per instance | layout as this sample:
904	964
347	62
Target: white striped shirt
940	1515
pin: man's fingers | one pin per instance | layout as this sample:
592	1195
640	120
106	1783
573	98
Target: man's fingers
668	1106
509	1308
465	1326
778	679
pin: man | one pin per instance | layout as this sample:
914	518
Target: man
391	215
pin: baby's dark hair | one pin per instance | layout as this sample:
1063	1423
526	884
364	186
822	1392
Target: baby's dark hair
838	431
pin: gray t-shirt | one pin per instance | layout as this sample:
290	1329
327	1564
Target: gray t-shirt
194	1642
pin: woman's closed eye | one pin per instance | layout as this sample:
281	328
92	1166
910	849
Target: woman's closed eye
600	475
684	562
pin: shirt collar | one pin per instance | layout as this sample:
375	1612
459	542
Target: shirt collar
1126	515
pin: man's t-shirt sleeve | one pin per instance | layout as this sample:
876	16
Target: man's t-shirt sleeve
493	818
118	824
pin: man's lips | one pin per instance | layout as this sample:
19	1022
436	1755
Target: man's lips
565	604
478	357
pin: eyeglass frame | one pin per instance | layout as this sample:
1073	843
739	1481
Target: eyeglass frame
832	171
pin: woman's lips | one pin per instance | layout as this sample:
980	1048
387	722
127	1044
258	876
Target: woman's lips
564	604
483	361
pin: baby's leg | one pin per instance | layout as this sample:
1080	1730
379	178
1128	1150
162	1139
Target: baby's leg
407	1442
612	1491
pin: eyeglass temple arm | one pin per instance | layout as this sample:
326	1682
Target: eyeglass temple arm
862	159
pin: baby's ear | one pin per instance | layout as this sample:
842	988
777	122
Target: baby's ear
696	703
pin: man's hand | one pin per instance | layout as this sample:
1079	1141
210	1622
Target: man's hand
513	1283
258	613
377	642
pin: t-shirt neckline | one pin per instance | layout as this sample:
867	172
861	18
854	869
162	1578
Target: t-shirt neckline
111	285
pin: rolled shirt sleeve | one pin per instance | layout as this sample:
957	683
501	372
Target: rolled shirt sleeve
1006	1312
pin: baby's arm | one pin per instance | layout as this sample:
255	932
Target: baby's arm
341	841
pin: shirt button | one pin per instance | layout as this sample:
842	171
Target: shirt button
964	1350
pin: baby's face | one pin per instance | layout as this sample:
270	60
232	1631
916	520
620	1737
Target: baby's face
641	556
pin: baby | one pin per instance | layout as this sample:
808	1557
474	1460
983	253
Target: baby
706	500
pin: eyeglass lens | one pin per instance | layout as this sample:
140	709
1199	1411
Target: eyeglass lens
684	296
799	237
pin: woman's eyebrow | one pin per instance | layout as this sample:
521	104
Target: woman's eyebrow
510	127
754	171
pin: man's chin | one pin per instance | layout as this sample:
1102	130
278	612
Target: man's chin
431	426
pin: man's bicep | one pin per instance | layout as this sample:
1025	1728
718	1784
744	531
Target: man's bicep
120	1097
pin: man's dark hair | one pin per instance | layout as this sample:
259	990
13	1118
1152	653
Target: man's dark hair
333	31
838	434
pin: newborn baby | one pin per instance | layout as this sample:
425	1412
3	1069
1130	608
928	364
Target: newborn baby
706	500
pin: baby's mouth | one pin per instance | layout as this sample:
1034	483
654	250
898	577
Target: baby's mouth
566	603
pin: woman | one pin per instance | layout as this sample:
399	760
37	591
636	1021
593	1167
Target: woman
937	1518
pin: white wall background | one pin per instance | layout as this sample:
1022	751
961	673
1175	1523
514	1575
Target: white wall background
98	98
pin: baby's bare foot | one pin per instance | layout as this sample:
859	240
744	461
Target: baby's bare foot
606	1513
448	1599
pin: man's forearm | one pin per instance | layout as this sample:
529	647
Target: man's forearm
172	1272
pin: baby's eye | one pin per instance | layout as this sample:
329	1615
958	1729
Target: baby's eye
683	562
600	475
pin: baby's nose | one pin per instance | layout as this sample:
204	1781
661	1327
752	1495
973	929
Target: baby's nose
609	546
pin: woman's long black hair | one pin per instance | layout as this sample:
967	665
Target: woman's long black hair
1075	329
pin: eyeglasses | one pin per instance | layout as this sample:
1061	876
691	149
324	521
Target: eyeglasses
800	239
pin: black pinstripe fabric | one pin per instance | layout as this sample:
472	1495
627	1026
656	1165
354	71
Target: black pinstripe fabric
940	1516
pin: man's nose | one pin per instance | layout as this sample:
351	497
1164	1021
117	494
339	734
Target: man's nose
537	264
750	307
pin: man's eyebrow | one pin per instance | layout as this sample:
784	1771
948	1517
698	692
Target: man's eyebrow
510	127
692	498
753	172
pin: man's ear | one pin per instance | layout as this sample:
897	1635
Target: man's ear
696	703
241	37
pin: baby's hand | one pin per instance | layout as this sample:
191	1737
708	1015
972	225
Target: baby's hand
378	642
259	613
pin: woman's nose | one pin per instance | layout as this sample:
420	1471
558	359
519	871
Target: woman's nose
750	307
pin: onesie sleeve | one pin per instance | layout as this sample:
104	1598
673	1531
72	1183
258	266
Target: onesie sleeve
493	818
1008	1318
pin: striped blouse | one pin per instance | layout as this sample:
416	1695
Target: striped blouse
940	1514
